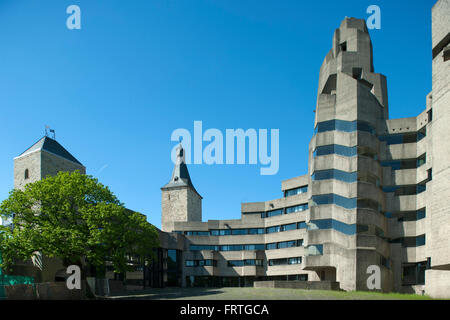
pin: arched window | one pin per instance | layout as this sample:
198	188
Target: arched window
27	174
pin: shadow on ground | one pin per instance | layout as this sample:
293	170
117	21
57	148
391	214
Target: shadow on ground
167	293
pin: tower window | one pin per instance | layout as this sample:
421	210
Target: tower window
27	174
343	46
447	53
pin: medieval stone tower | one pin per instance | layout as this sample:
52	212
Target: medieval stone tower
44	158
180	201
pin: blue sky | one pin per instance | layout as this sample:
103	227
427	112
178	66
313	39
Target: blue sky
115	90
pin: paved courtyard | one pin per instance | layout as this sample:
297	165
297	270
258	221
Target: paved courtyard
258	294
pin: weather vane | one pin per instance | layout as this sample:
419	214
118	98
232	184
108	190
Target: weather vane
47	129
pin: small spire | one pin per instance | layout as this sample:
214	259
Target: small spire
180	173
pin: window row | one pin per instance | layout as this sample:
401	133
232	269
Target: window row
279	212
410	241
331	198
345	151
293	192
201	263
345	126
335	174
348	229
247	247
405	163
284	244
251	231
406	190
246	262
400	138
288	210
407	215
347	203
285	261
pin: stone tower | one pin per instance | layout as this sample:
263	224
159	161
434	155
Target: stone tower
180	201
44	158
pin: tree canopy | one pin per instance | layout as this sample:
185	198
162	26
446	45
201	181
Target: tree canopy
73	217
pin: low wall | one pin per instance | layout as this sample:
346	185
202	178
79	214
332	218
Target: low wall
437	283
307	285
44	291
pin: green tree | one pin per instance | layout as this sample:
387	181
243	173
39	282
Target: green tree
74	217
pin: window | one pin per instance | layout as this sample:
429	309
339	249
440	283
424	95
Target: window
335	174
315	250
273	229
274	213
239	231
348	229
254	247
335	149
330	85
293	192
406	190
247	262
197	233
401	138
410	215
405	163
201	263
285	261
409	242
256	231
289	227
194	247
345	126
27	174
224	232
447	53
368	204
420	240
348	203
284	244
299	208
301	225
414	273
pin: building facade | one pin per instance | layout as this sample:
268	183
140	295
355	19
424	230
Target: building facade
376	193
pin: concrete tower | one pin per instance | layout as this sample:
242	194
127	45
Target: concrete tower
44	158
438	104
345	176
180	201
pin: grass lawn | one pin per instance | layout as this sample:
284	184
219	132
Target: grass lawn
260	294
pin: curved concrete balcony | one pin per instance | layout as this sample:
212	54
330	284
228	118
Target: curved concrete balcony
340	188
327	237
335	161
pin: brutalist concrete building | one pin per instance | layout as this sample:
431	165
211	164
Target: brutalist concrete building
377	191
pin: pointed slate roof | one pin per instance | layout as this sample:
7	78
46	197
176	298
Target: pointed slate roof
180	173
51	146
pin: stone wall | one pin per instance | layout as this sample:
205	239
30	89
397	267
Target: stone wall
45	291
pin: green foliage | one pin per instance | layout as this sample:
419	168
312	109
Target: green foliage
74	217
